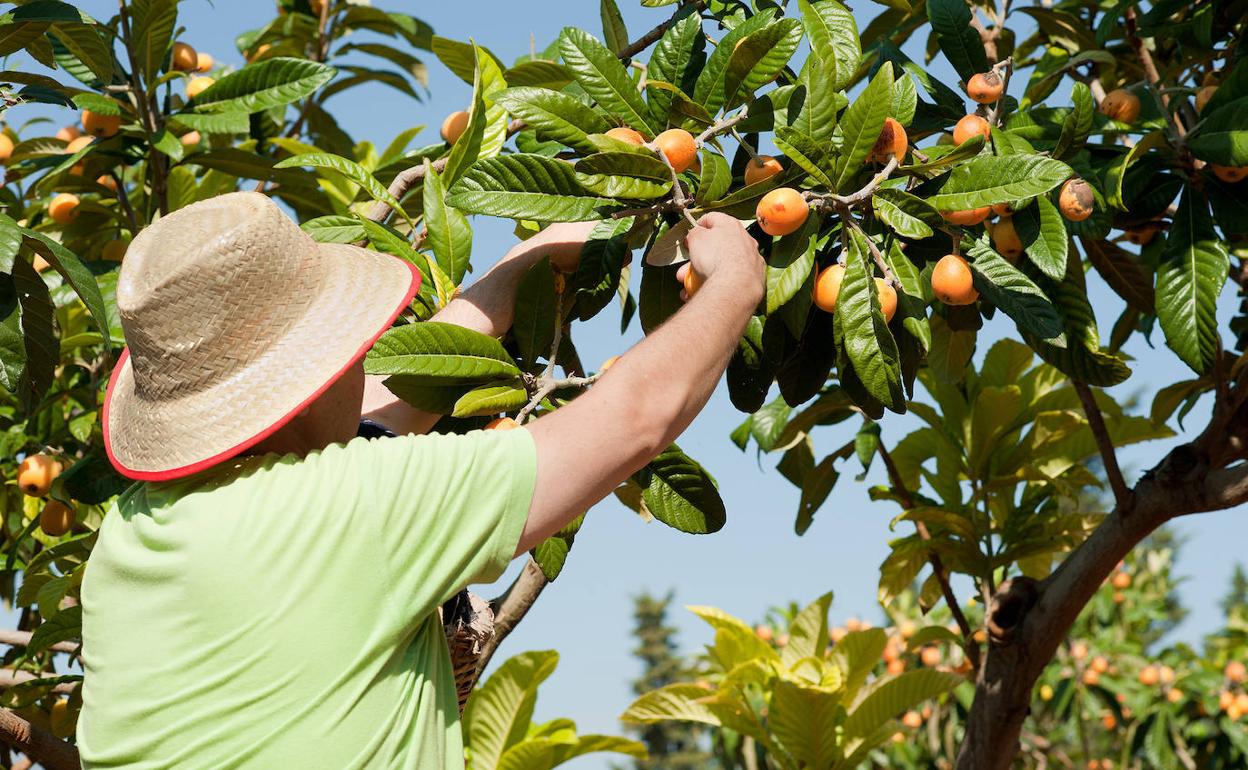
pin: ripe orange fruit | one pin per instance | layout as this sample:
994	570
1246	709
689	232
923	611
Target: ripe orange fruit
626	134
1076	200
985	88
1229	174
1121	105
969	127
1091	678
1174	695
1203	96
1241	703
895	667
678	147
912	719
761	167
1121	580
1079	650
1005	239
1226	699
610	362
1143	234
1003	209
930	657
6	147
502	423
1100	664
967	217
782	211
107	181
196	86
36	474
454	125
1149	676
184	58
190	139
68	133
782	640
114	250
692	282
100	125
828	287
77	144
892	143
1119	597
907	628
1236	671
853	624
764	633
203	61
63	208
837	633
1109	721
888	298
56	518
952	281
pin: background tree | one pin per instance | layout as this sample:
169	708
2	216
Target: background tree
669	745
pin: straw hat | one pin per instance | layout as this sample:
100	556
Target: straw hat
235	319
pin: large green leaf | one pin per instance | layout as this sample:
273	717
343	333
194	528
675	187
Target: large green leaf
1123	272
861	126
906	214
76	274
499	712
790	264
1077	124
989	179
676	59
804	719
1222	136
891	697
759	58
604	78
28	344
680	493
153	22
868	342
554	115
447	231
536	313
709	89
1010	289
1042	230
1081	357
1190	276
673	702
624	175
951	21
613	29
349	169
808	632
264	85
807	152
486	131
492	398
526	187
833	37
439	354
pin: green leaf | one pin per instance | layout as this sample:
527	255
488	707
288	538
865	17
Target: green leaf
1082	356
76	275
439	354
1010	289
676	59
552	553
940	158
808	632
807	152
459	58
804	719
524	186
10	242
213	122
904	213
1222	136
892	696
447	230
989	179
834	39
900	568
349	169
495	397
66	626
1123	272
86	44
861	126
1042	230
867	340
680	493
709	89
951	21
624	175
604	78
555	116
264	85
790	264
820	101
1078	123
759	58
487	122
671	703
27	336
614	30
499	712
1193	268
602	261
815	490
153	22
536	313
539	74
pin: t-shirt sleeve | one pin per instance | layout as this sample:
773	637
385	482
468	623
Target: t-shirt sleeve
449	509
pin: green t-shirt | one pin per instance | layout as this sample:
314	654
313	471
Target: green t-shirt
278	612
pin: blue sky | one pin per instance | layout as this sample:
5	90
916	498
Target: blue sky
755	561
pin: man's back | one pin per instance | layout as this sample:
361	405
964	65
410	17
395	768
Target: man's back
276	612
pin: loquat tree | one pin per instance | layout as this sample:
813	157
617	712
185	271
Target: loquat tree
1106	139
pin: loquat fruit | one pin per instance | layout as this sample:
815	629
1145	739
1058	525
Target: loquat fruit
828	287
986	87
1076	200
626	134
56	518
761	167
678	146
184	58
1121	105
96	124
36	473
63	208
454	125
953	283
196	86
970	126
892	143
966	217
501	423
782	211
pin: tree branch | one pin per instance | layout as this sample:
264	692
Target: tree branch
651	37
1150	70
1096	421
37	743
11	678
511	607
22	639
834	201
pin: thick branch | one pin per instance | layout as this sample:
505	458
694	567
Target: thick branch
858	196
37	743
512	606
1096	421
651	37
1150	70
22	639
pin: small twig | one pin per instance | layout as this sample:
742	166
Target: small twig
830	201
651	37
720	126
679	201
511	607
124	200
1003	69
880	262
1150	70
749	149
969	646
1096	421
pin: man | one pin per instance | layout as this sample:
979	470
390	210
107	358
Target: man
266	599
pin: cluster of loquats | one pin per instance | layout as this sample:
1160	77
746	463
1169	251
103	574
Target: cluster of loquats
1233	700
35	475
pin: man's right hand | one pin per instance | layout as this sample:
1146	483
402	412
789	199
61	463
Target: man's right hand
720	246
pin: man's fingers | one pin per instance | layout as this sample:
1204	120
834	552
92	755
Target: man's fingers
683	271
715	219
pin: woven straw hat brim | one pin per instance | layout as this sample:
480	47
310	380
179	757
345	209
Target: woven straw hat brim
363	292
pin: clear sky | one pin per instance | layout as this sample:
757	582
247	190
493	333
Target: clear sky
756	561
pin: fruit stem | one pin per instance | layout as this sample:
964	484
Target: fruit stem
1004	69
749	149
678	192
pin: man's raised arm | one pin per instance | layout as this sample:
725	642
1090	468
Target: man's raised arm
590	446
487	306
